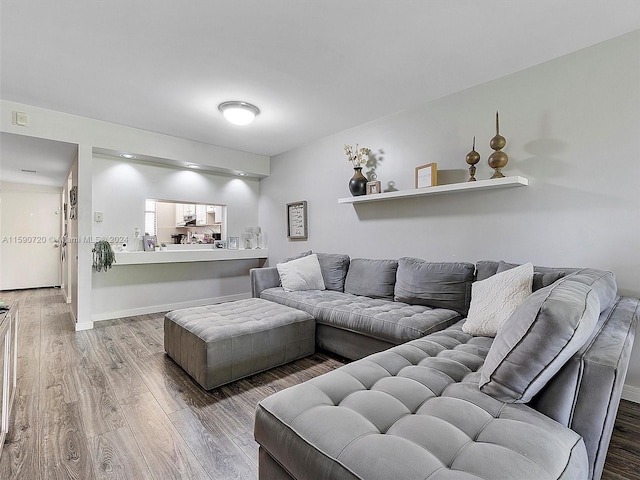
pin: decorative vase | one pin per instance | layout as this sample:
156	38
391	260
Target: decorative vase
358	183
472	158
498	160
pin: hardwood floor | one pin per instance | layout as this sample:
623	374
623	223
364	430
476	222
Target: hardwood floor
108	403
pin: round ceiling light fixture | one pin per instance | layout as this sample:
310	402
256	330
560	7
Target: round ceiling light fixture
239	113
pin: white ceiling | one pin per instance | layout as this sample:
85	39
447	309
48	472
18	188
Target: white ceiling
35	161
313	67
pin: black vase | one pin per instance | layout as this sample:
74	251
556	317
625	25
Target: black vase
358	183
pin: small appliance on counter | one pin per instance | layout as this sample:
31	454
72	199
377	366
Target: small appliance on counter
178	238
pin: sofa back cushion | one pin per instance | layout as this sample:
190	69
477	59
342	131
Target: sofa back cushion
542	276
543	333
436	285
371	278
334	269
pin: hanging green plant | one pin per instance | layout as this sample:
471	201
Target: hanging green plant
103	256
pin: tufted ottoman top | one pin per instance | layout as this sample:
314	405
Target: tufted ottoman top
230	319
414	412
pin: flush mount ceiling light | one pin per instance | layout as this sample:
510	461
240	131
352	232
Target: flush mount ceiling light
127	155
192	165
239	113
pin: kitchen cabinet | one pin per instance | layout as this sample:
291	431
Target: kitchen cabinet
8	366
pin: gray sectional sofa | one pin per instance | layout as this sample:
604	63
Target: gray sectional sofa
424	399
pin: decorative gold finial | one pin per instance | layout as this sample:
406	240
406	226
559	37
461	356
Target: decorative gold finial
498	160
472	158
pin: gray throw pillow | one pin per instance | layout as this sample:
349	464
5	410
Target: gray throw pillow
371	278
334	269
300	255
487	268
437	285
543	333
541	279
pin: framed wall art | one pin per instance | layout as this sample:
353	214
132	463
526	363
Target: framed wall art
426	175
373	187
149	243
297	220
233	243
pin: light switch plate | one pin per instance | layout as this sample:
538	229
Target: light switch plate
97	216
21	119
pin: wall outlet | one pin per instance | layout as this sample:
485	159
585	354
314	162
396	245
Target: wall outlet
97	217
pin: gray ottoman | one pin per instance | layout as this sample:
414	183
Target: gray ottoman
220	343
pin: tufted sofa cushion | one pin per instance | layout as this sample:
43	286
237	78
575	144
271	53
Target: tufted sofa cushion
413	412
393	322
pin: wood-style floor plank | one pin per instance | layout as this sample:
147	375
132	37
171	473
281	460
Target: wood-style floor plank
623	457
21	451
64	452
108	403
118	367
220	456
164	450
116	455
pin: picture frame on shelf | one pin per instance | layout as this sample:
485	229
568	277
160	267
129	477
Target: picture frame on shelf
149	243
426	175
297	220
219	244
233	243
373	187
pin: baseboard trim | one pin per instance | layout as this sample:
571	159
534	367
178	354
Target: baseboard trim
631	393
166	307
84	326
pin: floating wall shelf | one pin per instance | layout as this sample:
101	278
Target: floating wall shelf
506	182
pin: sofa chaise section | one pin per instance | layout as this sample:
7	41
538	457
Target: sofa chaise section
537	402
412	412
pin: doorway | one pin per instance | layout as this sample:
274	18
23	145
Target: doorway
30	221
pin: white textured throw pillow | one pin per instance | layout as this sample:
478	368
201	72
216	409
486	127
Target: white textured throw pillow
494	300
301	274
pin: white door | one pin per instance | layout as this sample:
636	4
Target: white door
29	238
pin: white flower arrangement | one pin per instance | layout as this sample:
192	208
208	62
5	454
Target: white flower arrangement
357	156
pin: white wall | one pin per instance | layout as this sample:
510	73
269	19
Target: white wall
119	191
90	134
572	127
69	128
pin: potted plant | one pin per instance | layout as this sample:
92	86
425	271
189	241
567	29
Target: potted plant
103	256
